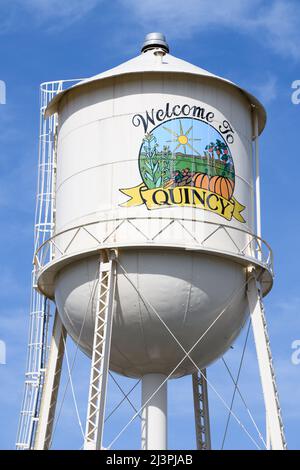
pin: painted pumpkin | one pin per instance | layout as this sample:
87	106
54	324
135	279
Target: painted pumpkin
222	186
201	180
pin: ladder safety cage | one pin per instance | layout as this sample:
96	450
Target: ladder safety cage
40	306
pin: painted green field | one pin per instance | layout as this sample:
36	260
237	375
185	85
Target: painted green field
205	165
165	167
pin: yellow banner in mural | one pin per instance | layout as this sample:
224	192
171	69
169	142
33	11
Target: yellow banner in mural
189	196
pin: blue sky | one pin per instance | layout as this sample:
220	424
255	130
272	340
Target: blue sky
201	135
254	43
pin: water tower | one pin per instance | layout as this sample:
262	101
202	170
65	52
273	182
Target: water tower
153	254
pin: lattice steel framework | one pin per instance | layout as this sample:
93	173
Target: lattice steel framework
45	424
101	352
40	306
201	410
274	423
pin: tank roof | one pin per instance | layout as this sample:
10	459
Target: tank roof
157	60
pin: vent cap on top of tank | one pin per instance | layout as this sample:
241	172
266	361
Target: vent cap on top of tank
153	40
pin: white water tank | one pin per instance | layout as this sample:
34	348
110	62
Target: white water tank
154	159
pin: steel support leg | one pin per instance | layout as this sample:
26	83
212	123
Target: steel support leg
265	363
51	385
201	409
101	352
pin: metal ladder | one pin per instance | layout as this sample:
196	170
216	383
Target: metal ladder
201	410
40	306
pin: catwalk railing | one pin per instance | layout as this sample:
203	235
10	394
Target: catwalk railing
95	235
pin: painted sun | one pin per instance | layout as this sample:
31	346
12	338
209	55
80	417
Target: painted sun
182	138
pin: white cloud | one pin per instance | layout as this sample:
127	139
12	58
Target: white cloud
288	306
53	9
267	91
279	24
273	22
51	14
184	18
